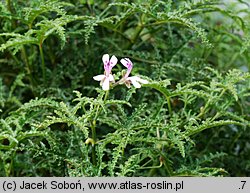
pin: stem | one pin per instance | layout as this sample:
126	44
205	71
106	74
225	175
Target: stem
28	68
8	2
26	61
151	167
94	138
11	170
98	107
5	167
93	129
208	103
168	167
169	105
137	32
43	64
106	96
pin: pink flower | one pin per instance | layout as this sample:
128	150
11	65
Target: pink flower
107	77
135	80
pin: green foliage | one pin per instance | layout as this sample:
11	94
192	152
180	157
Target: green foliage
190	119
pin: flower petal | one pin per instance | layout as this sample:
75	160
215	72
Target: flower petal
143	81
127	63
105	85
138	79
113	61
99	77
134	80
111	78
136	84
105	59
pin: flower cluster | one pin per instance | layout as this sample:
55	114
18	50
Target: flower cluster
107	78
